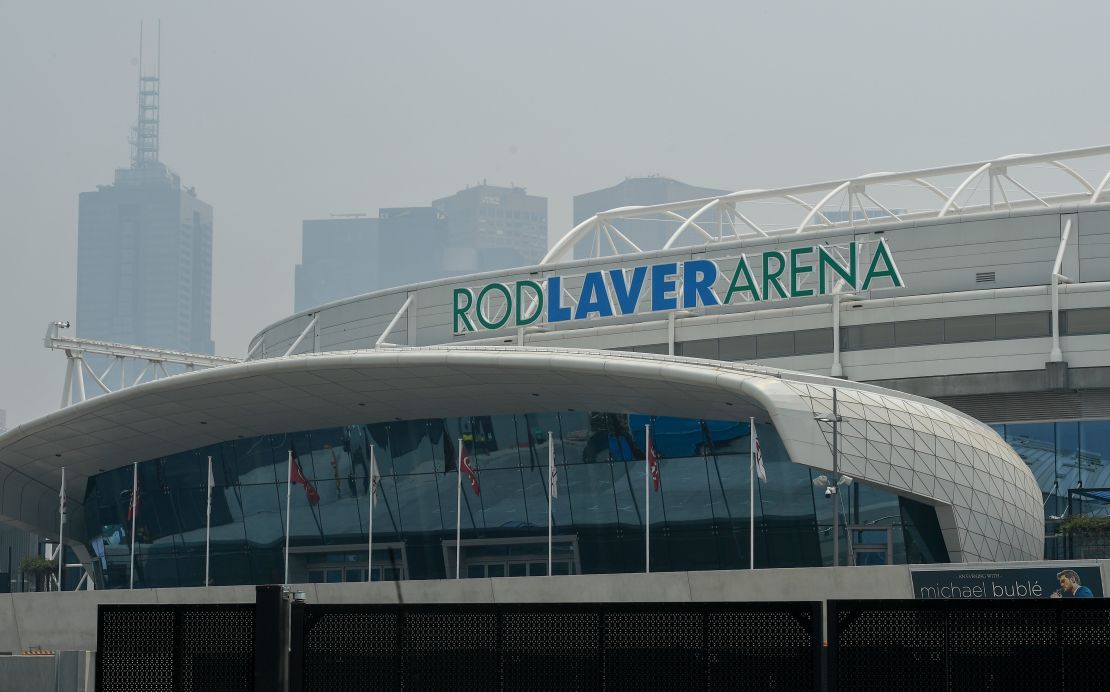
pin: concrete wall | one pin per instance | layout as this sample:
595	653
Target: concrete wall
68	671
67	621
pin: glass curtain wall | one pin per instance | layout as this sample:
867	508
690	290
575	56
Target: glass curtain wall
1063	455
699	517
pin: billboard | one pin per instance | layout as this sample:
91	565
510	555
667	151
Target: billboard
1055	581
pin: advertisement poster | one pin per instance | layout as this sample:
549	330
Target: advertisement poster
1058	581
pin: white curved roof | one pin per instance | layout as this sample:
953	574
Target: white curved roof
988	501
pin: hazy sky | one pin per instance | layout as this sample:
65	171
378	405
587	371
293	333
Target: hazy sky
280	111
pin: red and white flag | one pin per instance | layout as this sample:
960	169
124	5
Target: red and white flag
62	509
295	476
552	471
134	505
467	466
375	477
653	465
757	457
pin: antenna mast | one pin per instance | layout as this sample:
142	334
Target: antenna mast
144	142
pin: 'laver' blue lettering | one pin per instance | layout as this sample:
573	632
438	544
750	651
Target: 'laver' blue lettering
690	285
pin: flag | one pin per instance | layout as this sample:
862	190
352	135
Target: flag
211	484
62	509
757	456
653	465
375	477
295	476
467	466
133	506
552	472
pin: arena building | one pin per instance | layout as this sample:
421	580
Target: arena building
947	311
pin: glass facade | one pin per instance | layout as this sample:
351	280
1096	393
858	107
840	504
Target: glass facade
699	518
1063	455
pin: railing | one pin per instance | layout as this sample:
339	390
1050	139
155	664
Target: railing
152	362
1008	183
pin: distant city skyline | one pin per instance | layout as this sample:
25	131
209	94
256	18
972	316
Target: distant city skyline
291	113
479	228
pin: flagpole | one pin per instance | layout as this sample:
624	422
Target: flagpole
134	514
550	498
288	496
61	524
208	527
647	498
751	495
458	510
370	528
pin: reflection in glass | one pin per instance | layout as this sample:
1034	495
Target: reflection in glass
699	517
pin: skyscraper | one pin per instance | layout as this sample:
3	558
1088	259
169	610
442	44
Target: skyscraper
650	235
144	250
339	259
490	227
481	228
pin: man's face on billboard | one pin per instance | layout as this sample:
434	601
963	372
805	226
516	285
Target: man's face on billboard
1066	584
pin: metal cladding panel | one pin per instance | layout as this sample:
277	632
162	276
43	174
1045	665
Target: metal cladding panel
1094	246
941	256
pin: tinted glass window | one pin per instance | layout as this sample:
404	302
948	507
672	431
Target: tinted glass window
1023	325
773	345
974	328
919	332
813	341
1087	321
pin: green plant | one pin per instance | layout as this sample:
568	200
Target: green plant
1082	524
38	565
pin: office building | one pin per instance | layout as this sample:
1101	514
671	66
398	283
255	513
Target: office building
340	258
648	234
144	251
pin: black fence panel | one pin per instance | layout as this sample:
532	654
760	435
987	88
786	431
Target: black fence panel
550	650
1058	644
175	648
725	646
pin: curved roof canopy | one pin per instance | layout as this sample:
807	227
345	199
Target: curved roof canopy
337	388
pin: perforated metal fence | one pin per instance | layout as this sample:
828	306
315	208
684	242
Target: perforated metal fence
1060	644
175	648
714	646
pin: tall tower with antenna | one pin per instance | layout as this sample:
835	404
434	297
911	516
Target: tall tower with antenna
144	243
144	137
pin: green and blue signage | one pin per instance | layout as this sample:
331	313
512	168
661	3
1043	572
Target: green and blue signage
674	285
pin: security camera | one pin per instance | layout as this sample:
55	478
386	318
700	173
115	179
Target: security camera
830	491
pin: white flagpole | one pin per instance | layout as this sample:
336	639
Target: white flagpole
458	510
370	502
288	496
647	498
61	524
751	496
134	515
550	495
208	526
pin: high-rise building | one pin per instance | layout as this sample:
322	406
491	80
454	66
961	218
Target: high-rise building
490	227
482	228
650	234
339	259
412	245
144	255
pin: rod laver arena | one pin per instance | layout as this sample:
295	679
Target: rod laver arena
925	355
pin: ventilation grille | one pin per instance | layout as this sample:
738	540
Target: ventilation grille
984	277
1033	406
